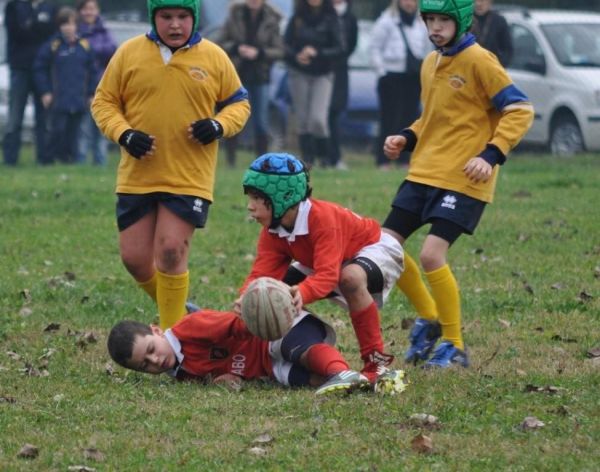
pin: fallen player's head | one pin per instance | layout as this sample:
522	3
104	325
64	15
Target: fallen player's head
140	347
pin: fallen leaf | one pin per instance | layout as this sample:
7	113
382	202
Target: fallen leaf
109	369
52	327
48	353
26	294
595	352
546	389
13	355
558	337
69	275
407	323
531	422
523	237
94	454
8	400
521	373
597	272
258	451
28	451
263	439
584	296
504	323
422	444
522	194
528	288
557	286
423	419
204	279
25	311
80	468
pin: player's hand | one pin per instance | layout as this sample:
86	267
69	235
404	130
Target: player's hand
296	298
237	305
205	131
478	170
137	143
393	146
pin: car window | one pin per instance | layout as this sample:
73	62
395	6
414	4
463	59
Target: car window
575	44
527	53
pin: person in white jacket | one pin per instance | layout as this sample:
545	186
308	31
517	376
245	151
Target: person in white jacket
399	42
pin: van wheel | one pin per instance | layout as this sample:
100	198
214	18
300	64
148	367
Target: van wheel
566	138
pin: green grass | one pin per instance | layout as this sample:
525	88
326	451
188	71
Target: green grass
526	321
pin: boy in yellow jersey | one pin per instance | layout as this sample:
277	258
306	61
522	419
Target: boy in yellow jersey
473	115
166	98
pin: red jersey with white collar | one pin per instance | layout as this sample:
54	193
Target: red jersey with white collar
216	342
324	236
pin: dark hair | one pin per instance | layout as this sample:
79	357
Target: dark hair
302	8
257	193
65	14
121	339
79	4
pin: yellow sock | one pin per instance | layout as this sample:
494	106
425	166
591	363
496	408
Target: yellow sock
412	285
447	298
150	286
171	294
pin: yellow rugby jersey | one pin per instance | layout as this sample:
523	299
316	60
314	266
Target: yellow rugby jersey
469	103
140	90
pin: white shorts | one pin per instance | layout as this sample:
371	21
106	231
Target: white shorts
387	254
281	367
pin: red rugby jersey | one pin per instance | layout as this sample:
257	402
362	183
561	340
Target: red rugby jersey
217	342
335	234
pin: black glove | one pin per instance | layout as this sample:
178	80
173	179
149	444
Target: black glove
207	130
136	142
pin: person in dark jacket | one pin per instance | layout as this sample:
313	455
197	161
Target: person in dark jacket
28	25
492	31
339	98
91	27
313	43
66	78
253	41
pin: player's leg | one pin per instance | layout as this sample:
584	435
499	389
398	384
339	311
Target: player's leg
445	291
172	241
401	223
364	314
136	220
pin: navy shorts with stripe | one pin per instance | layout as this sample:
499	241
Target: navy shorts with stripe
133	207
431	203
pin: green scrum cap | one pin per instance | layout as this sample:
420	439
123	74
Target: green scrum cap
460	11
281	177
192	5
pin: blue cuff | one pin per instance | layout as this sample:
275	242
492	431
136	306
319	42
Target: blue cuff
493	155
411	139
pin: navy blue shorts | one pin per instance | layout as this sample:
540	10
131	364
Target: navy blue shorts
132	207
428	204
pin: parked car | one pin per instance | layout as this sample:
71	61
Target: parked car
121	30
556	63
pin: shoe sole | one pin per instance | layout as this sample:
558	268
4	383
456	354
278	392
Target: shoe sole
347	388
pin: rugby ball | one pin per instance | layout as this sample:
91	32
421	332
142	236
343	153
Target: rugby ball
267	308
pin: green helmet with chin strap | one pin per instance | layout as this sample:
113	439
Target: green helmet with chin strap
192	5
281	177
461	11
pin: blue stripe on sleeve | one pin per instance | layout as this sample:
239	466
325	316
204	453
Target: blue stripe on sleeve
238	96
508	95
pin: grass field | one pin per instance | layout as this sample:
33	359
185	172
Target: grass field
530	282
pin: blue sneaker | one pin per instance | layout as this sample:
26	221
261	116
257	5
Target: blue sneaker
191	307
423	337
446	355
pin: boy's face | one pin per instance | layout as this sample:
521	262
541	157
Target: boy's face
174	26
152	353
441	28
259	210
69	30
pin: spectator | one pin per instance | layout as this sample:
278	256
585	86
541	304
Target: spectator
167	97
492	31
252	39
339	99
28	25
399	42
65	76
91	28
313	42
